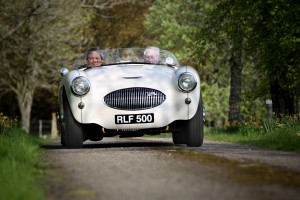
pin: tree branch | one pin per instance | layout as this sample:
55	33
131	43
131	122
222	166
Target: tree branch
103	4
30	14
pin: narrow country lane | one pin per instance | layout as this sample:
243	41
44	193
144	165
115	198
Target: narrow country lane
146	168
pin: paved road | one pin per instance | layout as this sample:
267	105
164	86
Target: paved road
142	169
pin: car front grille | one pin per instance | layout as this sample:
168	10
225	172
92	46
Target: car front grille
136	98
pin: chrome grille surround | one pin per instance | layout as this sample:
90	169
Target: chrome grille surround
136	98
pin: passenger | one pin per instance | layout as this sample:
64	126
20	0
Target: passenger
128	56
151	55
94	57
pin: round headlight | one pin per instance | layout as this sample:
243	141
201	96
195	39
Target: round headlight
81	85
187	82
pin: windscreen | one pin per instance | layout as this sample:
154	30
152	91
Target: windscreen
152	56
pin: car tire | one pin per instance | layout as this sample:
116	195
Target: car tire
73	130
178	136
193	128
62	136
61	129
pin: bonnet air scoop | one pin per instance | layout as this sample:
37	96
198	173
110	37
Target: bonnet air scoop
132	77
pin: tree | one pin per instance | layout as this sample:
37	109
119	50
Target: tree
35	43
275	35
268	31
226	27
118	24
201	34
104	5
176	28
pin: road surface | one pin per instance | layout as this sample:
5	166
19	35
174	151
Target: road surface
154	169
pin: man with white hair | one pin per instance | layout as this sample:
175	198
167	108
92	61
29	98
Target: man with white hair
151	55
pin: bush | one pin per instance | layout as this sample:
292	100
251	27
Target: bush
253	124
6	123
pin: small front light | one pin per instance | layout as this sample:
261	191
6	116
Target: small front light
187	82
81	85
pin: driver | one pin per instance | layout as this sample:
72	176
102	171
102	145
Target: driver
151	55
94	57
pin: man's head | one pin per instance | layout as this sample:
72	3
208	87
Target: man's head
94	57
151	55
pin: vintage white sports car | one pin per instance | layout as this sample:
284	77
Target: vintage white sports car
128	95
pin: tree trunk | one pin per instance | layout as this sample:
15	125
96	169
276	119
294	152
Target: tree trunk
235	89
25	99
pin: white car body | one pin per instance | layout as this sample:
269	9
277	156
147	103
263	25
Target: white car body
148	98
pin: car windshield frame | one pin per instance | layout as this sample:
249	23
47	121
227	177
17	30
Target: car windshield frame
127	56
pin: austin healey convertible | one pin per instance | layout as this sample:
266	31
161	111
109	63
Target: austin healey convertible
128	95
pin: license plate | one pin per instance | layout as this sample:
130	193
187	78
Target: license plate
134	118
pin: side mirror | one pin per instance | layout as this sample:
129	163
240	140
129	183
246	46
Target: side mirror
64	71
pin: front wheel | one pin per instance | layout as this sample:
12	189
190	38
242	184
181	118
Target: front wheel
190	132
72	130
193	128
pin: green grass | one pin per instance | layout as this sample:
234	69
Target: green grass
286	138
19	174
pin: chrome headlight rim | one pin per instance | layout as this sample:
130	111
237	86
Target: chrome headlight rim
180	82
80	85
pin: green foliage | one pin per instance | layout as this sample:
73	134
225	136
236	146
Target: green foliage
255	92
266	35
6	123
174	31
215	101
263	126
200	36
18	173
273	36
281	133
275	33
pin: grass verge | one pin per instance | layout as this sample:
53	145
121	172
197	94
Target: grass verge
284	138
19	173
